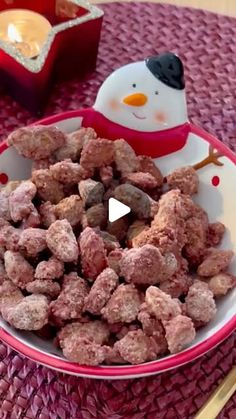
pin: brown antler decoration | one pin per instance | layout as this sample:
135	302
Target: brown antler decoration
212	158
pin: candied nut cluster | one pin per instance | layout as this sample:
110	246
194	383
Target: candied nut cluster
37	142
185	179
146	265
120	292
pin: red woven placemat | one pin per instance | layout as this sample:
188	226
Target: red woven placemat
207	44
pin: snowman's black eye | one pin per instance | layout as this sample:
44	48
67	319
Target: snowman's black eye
134	85
156	92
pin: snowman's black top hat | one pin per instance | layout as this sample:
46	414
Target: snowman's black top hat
168	68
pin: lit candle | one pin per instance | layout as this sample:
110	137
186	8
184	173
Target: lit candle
27	31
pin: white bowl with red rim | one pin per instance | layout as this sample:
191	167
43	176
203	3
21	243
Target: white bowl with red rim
216	195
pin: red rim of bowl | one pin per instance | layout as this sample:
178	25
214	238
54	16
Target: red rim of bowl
121	372
133	370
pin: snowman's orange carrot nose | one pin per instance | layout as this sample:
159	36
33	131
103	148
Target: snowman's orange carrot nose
136	99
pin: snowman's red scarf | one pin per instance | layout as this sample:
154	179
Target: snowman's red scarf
154	144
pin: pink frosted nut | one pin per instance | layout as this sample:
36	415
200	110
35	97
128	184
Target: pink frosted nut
33	241
135	347
36	142
106	175
101	291
141	180
185	179
153	327
3	274
3	223
91	192
83	351
9	237
97	153
11	186
93	255
32	220
48	189
113	356
125	158
69	304
116	328
165	239
150	324
2	251
31	313
154	207
74	144
146	265
4	199
125	329
47	213
4	205
134	230
110	241
44	286
18	269
215	233
160	304
178	285
96	331
71	277
147	165
180	332
110	191
114	259
200	304
41	164
215	261
20	200
137	200
49	269
71	209
174	209
196	232
168	229
220	284
62	242
95	216
10	295
171	266
68	172
194	210
118	228
123	306
183	265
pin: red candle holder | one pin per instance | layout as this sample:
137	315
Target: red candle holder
71	49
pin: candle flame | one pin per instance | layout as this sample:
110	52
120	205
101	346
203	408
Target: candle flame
13	34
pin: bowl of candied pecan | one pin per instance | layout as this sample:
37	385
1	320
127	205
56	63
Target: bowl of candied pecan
148	292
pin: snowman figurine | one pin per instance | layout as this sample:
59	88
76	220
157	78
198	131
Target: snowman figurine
143	102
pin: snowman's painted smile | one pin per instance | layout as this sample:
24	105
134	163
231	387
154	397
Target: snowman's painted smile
138	116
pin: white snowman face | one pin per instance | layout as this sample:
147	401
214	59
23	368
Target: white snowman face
132	97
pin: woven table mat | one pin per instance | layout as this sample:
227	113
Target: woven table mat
207	44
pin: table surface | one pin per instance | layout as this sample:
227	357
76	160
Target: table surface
227	7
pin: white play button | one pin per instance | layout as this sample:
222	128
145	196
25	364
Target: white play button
116	209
